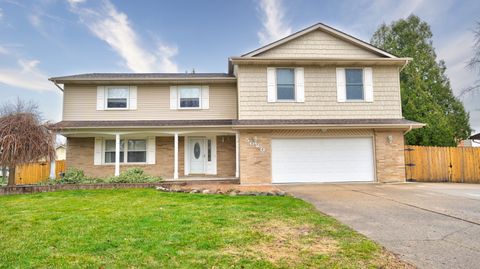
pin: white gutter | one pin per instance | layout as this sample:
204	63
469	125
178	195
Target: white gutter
409	129
58	86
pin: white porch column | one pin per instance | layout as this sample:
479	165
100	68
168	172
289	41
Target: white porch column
52	169
237	154
175	156
117	155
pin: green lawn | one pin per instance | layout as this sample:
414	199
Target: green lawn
141	228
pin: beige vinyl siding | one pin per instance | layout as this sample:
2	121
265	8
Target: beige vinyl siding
318	44
79	103
320	96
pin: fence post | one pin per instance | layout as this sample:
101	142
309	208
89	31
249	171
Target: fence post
52	169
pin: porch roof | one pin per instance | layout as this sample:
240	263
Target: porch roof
139	124
239	124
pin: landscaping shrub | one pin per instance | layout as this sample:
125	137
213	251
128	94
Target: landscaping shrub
77	176
74	176
133	175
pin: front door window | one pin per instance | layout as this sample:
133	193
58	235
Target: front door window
197	156
196	150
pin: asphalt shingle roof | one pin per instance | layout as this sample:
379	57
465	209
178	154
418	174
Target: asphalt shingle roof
133	76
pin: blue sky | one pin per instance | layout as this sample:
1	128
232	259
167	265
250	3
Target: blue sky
45	38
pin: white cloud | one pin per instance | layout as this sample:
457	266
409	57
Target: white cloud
26	75
274	26
114	27
74	2
1	13
35	20
3	50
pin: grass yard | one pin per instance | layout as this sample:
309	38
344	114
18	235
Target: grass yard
138	228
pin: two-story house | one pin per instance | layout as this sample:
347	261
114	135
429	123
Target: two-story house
316	106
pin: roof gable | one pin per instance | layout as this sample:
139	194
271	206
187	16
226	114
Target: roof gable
319	40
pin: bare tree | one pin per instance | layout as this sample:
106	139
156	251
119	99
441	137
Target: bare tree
474	63
23	137
20	106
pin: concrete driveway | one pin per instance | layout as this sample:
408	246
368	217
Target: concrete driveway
432	225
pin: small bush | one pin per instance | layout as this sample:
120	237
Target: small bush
133	175
73	176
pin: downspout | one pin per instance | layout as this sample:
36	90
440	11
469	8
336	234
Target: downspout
409	129
58	86
406	62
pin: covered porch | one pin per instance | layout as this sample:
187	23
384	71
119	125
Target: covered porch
173	154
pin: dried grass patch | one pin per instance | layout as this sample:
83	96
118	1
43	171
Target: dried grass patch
283	242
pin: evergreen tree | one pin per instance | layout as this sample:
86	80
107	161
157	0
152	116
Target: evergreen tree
427	96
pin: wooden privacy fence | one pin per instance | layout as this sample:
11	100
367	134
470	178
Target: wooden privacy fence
37	172
442	164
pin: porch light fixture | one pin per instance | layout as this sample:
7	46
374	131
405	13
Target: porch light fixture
390	139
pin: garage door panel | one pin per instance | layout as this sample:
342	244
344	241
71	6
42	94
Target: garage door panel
322	160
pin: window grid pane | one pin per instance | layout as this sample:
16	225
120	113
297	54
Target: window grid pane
209	150
285	84
354	84
117	97
110	157
137	151
110	151
190	97
137	156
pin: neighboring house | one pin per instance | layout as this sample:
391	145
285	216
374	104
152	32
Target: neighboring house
316	106
61	152
472	141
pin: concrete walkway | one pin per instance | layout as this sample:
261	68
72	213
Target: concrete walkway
432	225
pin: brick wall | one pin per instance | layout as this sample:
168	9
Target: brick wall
80	153
389	156
255	165
226	156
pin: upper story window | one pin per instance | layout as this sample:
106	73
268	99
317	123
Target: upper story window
285	84
117	97
354	84
189	97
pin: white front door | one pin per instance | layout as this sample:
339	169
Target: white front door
197	156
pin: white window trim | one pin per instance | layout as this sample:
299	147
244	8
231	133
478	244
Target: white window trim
179	89
125	151
363	100
117	108
294	100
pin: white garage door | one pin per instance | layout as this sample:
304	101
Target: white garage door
322	160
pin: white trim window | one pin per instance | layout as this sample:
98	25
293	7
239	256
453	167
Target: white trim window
285	84
354	84
109	155
136	151
190	97
117	97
